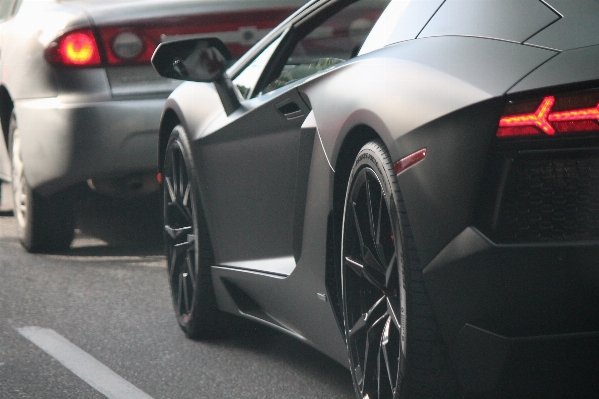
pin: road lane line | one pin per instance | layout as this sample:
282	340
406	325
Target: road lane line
82	364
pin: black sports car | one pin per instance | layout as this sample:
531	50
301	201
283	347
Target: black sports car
411	187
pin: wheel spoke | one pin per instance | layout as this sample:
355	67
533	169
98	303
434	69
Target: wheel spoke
379	220
365	251
374	215
191	269
358	326
184	277
174	233
369	207
173	264
357	267
363	271
373	262
175	170
180	295
181	177
171	190
186	194
184	246
392	307
359	377
384	344
363	320
367	255
372	335
358	229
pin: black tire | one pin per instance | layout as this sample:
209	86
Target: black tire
394	347
45	223
188	251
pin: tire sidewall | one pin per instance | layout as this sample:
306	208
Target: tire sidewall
203	311
374	156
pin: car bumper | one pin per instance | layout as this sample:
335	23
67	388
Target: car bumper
67	143
519	319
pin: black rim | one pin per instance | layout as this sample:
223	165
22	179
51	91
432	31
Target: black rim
180	232
373	294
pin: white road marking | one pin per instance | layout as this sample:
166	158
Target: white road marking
82	364
146	261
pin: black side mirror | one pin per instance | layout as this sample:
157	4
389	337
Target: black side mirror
198	60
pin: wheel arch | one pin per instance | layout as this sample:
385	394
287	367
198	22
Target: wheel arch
6	107
355	139
169	120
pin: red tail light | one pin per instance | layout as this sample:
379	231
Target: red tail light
552	116
77	48
135	43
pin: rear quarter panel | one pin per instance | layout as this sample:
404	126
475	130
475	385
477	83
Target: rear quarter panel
441	93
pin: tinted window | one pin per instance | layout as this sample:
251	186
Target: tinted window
337	39
248	78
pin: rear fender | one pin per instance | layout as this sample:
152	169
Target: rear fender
441	93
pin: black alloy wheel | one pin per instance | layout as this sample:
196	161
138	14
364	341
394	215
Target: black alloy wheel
380	276
187	247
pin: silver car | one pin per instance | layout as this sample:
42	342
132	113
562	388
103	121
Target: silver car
80	102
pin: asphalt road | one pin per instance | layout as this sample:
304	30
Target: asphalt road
104	309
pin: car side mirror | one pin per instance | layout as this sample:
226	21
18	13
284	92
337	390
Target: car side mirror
198	60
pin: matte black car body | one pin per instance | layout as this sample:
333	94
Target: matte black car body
517	313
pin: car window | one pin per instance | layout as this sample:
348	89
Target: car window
335	40
248	78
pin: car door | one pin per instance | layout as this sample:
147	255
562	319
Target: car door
250	169
256	165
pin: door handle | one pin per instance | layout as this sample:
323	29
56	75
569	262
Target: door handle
289	109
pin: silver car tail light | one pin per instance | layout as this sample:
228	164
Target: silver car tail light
135	43
127	45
